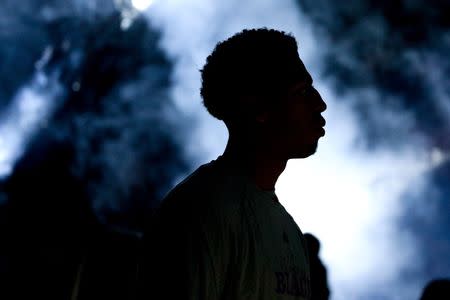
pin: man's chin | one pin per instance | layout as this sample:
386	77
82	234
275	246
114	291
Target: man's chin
305	151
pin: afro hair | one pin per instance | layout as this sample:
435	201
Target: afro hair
258	62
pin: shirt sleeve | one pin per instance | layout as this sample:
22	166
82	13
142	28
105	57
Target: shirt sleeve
190	251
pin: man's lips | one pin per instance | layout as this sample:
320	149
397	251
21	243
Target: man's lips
322	121
319	121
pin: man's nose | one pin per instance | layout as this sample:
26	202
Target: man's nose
321	106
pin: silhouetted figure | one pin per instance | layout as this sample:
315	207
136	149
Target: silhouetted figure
319	281
222	233
437	289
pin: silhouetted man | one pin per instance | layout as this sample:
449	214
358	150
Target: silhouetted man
319	280
221	233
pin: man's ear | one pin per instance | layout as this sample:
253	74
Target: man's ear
254	103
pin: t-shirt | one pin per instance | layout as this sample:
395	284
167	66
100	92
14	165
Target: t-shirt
217	235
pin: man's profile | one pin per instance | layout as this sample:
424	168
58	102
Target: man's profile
222	233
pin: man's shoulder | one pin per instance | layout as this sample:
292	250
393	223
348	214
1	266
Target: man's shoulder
208	188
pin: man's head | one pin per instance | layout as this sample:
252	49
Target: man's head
256	83
312	243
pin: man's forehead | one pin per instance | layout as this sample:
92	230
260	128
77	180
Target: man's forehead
298	73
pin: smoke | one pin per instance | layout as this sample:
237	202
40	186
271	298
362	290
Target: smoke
398	48
352	193
101	87
394	55
29	111
93	141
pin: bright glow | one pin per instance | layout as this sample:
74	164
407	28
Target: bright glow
438	157
350	200
141	4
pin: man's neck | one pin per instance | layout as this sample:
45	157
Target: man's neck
260	165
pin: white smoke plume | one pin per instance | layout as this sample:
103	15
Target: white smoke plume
114	109
29	112
35	99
